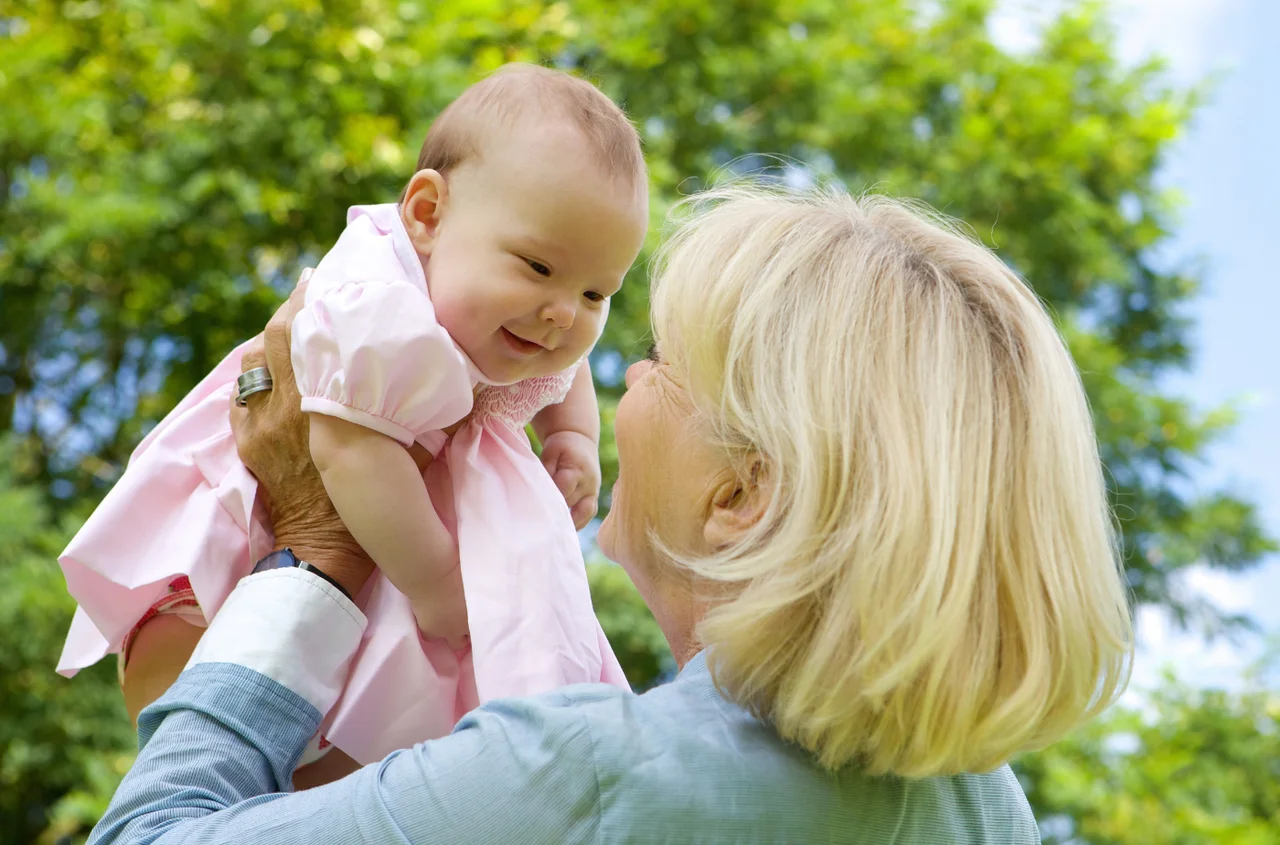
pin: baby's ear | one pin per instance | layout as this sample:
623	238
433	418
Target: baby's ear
422	207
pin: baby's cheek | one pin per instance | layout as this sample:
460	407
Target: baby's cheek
591	325
452	318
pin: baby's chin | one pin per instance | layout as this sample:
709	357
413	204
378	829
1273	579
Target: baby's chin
502	370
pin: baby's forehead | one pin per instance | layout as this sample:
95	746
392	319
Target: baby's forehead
545	141
544	162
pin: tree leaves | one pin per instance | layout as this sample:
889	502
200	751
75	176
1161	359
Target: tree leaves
1201	766
184	160
52	730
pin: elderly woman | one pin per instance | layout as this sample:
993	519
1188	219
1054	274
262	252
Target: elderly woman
859	490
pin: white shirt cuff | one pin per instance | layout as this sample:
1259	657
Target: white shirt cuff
291	626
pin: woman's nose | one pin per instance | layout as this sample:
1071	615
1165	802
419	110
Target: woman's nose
634	372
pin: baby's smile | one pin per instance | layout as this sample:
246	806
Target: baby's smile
520	345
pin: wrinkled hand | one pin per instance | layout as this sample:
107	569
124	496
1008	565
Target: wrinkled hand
272	438
573	462
271	432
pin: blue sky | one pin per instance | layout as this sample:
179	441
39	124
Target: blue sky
1227	169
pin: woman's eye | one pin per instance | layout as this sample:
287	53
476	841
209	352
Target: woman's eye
538	267
651	354
594	296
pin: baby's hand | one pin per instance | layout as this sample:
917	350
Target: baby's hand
441	610
573	461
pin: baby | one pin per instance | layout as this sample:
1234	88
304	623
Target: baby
474	300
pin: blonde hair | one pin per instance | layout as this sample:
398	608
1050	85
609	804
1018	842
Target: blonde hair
935	585
519	91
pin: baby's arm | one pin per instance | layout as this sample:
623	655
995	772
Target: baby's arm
377	489
570	436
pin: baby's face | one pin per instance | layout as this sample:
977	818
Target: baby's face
532	242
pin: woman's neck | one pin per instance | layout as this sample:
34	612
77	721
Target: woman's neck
683	639
686	652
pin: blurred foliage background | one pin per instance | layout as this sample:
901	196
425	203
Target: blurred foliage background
166	168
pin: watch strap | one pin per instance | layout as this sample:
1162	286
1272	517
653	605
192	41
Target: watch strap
285	559
306	567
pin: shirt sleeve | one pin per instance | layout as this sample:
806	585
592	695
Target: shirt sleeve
373	353
217	751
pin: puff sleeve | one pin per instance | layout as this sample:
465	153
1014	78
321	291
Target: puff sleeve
373	353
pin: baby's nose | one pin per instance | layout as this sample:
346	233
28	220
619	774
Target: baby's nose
560	314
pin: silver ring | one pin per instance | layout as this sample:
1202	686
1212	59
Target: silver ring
254	381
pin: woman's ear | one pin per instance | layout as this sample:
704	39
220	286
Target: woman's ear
422	208
739	502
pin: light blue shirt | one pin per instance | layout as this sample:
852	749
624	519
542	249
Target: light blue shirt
589	763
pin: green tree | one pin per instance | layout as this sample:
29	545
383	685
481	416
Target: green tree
1202	767
185	159
52	733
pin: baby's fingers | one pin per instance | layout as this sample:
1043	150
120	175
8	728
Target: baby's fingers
583	511
567	480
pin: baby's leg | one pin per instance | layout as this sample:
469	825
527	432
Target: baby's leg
334	765
159	651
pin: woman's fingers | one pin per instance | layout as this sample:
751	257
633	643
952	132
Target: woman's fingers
278	334
255	355
241	420
272	419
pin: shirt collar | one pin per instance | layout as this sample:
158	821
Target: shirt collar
695	677
696	665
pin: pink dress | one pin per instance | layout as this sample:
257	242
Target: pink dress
367	348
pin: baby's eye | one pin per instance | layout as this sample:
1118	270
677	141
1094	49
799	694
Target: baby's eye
538	267
595	296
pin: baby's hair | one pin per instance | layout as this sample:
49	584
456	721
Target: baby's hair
517	92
